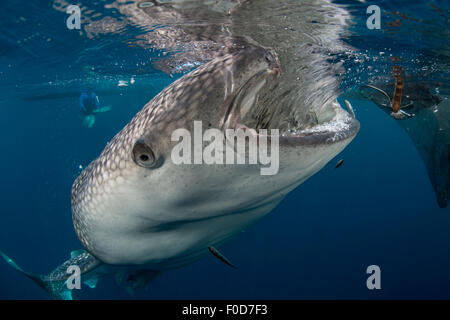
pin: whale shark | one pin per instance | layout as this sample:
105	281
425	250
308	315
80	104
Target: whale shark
137	213
427	126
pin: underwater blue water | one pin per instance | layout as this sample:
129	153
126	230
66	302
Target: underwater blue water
378	208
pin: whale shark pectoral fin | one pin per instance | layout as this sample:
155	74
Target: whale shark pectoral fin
221	257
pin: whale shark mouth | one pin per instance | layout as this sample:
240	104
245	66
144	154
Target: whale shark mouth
341	127
243	112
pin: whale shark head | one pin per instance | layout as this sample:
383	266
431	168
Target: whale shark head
135	205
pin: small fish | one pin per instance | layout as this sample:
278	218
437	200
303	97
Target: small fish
220	256
339	163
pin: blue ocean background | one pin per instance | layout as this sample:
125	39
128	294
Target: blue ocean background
378	208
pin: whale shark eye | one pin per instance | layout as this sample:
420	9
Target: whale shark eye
269	58
143	155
